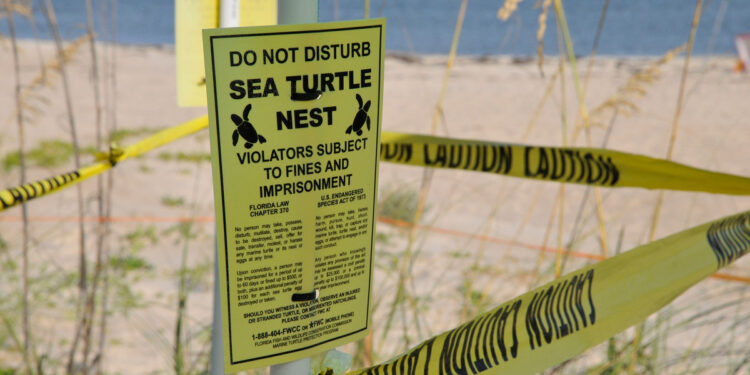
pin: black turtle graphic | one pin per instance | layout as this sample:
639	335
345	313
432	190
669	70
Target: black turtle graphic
360	118
245	129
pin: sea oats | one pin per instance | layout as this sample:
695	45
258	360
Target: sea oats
507	9
623	100
540	33
31	96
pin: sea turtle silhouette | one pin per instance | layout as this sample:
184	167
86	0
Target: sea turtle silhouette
245	129
360	118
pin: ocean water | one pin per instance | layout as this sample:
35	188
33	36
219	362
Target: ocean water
632	27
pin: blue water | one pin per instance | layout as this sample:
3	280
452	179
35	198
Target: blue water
632	27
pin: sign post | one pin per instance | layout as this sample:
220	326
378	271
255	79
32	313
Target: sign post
259	12
291	12
294	113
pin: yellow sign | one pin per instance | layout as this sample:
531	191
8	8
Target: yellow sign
192	16
294	118
561	319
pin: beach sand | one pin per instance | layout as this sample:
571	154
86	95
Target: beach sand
488	99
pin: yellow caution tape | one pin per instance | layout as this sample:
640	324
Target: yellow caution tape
565	317
562	318
165	136
19	194
562	164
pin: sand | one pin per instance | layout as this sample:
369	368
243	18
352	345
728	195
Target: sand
490	99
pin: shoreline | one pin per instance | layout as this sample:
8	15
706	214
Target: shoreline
400	54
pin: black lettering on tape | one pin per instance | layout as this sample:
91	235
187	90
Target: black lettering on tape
564	322
547	331
455	156
468	156
729	238
478	157
557	309
552	163
5	204
570	292
17	196
532	328
27	189
490	332
554	172
604	168
489	158
416	361
569	154
400	152
491	339
25	192
42	187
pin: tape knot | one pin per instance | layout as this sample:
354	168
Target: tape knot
112	156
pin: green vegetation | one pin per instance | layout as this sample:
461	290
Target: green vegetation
188	157
398	203
129	262
47	154
172	201
119	136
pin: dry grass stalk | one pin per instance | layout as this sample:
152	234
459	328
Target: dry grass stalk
32	100
10	8
636	87
595	47
540	106
673	137
486	291
597	192
470	274
507	9
540	34
102	206
564	120
108	12
563	27
407	261
449	65
49	13
545	241
622	101
55	64
683	79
